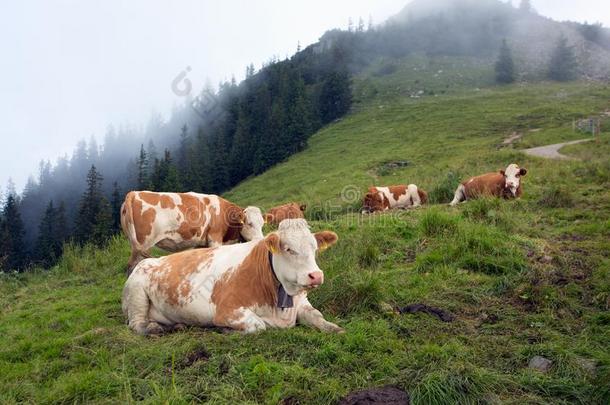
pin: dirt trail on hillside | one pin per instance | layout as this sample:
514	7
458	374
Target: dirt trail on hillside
552	151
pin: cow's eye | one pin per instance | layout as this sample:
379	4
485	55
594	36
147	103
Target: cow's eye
292	252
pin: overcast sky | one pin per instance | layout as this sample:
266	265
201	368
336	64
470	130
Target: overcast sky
71	68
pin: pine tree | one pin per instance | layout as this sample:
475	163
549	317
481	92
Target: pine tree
219	176
155	178
102	227
61	225
505	67
203	162
563	66
13	253
183	149
240	156
189	177
165	176
93	151
300	124
336	97
48	247
116	202
272	148
360	25
151	156
143	179
89	207
171	182
250	71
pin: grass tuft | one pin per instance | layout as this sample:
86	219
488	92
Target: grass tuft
444	191
435	223
556	197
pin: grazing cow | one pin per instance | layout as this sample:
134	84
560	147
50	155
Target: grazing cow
504	183
247	287
385	198
287	211
180	221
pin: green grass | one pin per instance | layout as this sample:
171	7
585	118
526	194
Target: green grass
63	337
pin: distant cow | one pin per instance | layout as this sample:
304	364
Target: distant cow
287	211
385	198
503	183
248	287
180	221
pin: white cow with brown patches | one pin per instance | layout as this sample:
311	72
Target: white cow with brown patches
503	183
180	221
248	287
380	199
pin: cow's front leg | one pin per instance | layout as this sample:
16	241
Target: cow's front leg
460	195
243	320
308	315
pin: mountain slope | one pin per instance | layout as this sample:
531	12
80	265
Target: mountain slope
523	278
436	135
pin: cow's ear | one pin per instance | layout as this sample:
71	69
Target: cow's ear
303	207
268	218
372	189
503	173
272	241
522	172
326	239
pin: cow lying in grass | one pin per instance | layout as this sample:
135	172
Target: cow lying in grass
504	183
247	287
385	198
180	221
287	211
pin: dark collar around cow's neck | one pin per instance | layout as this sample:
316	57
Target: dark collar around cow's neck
283	299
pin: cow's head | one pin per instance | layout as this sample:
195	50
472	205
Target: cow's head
252	227
373	201
512	178
294	250
268	218
423	196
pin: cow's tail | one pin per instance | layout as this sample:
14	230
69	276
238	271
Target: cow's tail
127	222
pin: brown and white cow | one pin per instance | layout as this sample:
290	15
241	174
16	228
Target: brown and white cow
180	221
385	198
286	211
248	287
503	183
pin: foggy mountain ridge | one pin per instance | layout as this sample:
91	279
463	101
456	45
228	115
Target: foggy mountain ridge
531	36
433	27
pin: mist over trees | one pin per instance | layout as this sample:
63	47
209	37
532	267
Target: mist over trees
220	138
563	65
505	67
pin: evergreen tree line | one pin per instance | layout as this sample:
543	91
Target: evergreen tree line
563	65
261	122
97	219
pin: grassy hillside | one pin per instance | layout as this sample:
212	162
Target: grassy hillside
523	278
